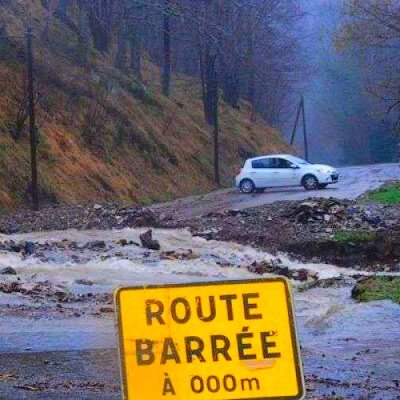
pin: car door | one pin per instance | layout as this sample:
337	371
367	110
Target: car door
261	173
282	172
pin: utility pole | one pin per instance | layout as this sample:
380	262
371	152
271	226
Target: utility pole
301	110
295	124
32	121
304	129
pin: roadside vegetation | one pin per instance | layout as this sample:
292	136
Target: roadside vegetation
389	194
343	236
378	288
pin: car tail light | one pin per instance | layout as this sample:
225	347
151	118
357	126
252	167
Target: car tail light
239	171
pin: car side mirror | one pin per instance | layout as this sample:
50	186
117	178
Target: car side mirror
293	166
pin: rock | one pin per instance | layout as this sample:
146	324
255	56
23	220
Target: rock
178	255
147	241
307	206
303	217
208	234
15	248
300	275
10	287
214	214
327	217
85	282
29	248
96	245
97	207
235	213
259	268
139	218
8	271
268	268
123	242
336	209
106	309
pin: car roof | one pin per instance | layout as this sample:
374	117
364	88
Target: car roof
287	156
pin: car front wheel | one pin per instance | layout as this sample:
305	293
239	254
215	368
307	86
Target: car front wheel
310	182
246	186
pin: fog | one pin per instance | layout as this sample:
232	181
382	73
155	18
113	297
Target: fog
345	123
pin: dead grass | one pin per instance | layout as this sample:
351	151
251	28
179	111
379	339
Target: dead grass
144	148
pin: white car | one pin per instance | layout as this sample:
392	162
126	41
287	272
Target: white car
283	170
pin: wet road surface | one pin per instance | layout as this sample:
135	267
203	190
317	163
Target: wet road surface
353	182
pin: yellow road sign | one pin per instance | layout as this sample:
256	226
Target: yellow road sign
209	341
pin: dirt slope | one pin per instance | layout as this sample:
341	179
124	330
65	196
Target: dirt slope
101	134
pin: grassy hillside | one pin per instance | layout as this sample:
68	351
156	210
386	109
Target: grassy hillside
103	135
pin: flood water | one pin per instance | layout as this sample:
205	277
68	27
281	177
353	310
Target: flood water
347	347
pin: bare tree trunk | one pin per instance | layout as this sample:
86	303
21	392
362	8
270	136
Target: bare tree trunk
166	77
84	36
211	86
121	60
212	103
47	19
252	79
62	9
100	23
203	77
231	91
136	55
217	179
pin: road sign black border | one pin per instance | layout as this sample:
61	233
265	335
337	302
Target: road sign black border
292	322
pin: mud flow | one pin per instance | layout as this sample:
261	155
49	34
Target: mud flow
57	299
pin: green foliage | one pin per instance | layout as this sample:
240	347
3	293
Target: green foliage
354	236
389	194
378	288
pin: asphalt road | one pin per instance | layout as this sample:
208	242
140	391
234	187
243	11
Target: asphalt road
353	182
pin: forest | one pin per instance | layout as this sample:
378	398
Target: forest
121	80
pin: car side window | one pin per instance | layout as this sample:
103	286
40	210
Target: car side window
262	163
282	163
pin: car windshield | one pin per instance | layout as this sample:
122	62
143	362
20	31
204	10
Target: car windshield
298	160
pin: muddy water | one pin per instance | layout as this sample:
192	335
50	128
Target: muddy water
349	349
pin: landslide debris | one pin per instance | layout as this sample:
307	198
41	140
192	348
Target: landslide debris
148	242
350	233
77	216
356	233
276	268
